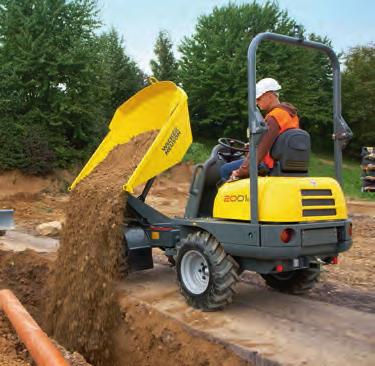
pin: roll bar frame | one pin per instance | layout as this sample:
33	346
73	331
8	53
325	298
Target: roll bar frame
341	132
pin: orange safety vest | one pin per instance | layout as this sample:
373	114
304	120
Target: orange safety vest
285	121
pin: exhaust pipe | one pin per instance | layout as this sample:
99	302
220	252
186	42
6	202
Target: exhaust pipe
41	349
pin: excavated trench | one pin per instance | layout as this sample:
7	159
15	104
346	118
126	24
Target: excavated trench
156	327
73	295
82	310
141	335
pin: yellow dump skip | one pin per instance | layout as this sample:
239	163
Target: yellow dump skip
161	106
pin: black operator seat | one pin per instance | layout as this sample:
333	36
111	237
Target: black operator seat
203	187
291	152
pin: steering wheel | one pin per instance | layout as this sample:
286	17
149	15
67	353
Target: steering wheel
233	144
235	149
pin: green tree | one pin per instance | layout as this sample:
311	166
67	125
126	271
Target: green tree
121	74
49	83
213	70
165	65
358	88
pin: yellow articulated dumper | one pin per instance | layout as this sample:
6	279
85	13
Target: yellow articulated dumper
284	225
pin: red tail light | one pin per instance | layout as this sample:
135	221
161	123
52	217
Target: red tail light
335	260
161	228
279	268
286	235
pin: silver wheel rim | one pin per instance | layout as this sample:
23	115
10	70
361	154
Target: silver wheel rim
195	273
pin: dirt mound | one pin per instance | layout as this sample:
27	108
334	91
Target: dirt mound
161	341
356	266
180	174
26	274
145	336
14	182
32	210
12	352
82	311
358	208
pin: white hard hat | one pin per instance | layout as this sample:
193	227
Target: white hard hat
266	85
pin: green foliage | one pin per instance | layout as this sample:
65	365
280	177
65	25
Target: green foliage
165	65
121	74
59	82
213	70
38	155
11	148
322	166
198	152
45	81
358	88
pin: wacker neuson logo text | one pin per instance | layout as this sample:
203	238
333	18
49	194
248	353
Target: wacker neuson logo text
172	139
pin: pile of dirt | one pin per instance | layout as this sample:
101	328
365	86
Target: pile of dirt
15	183
82	309
145	337
31	210
356	266
12	351
160	340
26	274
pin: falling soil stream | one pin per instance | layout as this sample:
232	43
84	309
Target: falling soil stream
82	310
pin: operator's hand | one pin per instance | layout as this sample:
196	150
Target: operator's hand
235	176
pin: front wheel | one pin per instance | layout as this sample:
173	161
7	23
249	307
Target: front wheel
206	274
295	282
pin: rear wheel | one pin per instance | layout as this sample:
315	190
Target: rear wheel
171	260
206	274
295	282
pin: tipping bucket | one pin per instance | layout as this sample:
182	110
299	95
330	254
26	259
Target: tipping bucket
161	106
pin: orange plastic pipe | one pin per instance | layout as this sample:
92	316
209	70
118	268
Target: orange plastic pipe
41	349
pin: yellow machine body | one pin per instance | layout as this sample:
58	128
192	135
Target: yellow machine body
161	106
283	199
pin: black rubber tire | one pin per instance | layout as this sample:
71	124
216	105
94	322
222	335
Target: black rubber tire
222	269
297	282
171	260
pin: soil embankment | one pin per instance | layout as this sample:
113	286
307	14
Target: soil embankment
144	337
26	273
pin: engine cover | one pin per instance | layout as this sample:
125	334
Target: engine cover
283	199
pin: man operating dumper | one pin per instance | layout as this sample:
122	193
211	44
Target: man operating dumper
279	118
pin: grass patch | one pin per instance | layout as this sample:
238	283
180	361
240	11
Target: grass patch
199	152
322	166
